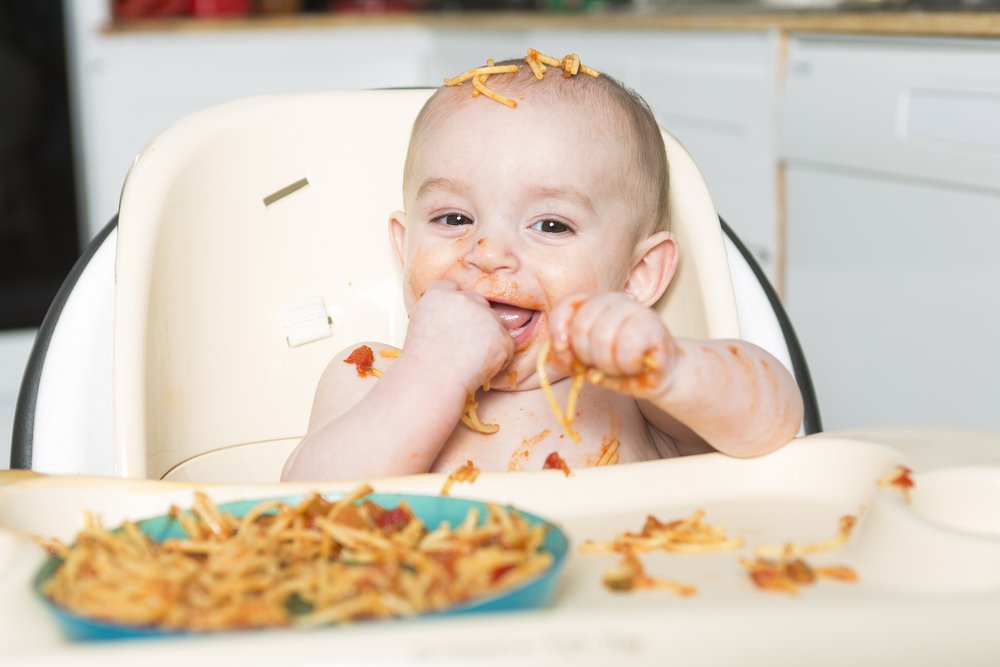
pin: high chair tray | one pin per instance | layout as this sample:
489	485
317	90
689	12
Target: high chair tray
928	588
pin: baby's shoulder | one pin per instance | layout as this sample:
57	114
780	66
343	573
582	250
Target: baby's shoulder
350	375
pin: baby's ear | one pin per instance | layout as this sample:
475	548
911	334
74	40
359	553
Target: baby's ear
397	234
653	264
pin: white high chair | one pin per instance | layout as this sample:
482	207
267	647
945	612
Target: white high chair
250	247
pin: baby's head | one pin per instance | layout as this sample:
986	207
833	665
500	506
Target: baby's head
627	119
564	194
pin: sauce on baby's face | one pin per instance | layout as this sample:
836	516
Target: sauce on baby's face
524	207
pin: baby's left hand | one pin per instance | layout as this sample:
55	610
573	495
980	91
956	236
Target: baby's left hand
625	342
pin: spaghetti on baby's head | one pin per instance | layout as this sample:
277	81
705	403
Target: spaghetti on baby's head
629	122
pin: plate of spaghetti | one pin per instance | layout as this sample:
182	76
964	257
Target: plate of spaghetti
301	561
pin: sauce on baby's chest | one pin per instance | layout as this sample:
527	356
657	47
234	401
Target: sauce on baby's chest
610	425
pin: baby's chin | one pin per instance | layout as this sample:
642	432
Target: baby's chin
521	374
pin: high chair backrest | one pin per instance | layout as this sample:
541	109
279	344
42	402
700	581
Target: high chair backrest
253	247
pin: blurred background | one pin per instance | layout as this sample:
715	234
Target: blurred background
854	147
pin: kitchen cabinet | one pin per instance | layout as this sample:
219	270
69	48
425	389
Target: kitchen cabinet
893	224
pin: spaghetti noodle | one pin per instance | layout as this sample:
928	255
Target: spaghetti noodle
479	76
899	478
466	473
844	531
689	535
609	453
630	575
579	375
471	419
570	64
782	568
563	418
538	63
788	574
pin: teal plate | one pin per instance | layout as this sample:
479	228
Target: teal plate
534	593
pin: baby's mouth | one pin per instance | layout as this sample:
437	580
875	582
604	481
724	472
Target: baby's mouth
519	322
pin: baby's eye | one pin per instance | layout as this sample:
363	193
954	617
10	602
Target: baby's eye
453	219
551	227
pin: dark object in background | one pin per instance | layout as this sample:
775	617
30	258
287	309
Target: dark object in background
372	6
277	6
212	8
123	10
137	9
481	5
39	238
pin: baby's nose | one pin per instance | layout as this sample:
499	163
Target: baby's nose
490	254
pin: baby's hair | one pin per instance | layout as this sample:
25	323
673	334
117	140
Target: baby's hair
649	173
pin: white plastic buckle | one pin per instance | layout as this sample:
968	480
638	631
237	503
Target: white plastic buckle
306	321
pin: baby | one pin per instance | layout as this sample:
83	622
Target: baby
525	228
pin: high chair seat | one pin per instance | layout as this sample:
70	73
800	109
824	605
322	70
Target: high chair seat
251	247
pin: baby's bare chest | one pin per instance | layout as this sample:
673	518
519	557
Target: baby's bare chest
610	426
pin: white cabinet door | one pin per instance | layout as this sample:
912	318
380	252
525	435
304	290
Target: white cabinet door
894	289
893	281
716	92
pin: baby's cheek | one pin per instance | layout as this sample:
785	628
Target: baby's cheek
422	269
562	281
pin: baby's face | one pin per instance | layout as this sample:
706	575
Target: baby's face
524	206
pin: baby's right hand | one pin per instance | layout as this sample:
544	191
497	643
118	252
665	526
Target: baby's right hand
457	330
624	341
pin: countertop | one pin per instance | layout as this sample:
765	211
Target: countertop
721	17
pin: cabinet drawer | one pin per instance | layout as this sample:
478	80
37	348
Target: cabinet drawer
923	108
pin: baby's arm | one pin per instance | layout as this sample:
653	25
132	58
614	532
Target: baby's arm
397	424
729	394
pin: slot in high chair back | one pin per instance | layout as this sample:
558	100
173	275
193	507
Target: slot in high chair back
248	223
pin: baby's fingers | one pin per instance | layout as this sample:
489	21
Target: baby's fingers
560	322
595	333
624	345
628	348
626	341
